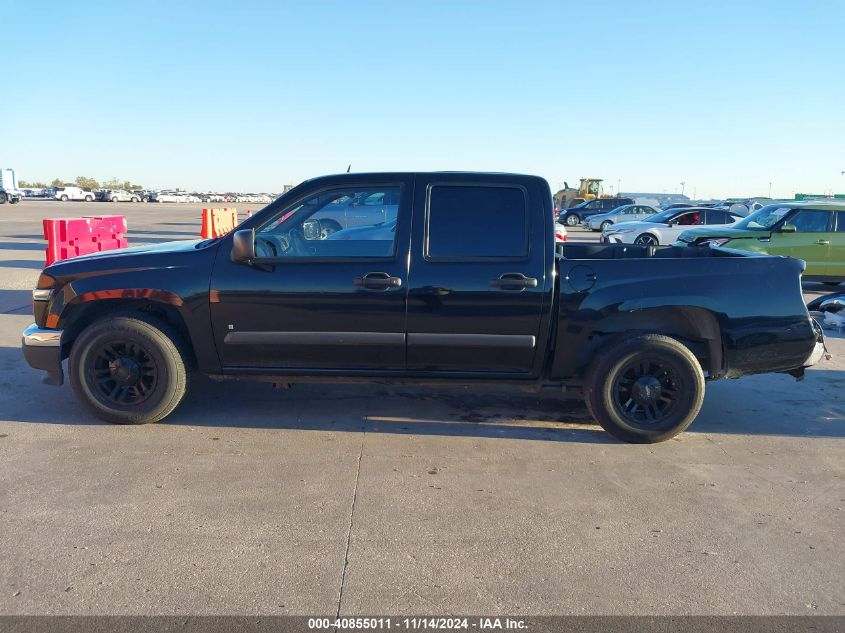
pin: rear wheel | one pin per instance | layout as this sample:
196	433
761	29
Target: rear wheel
644	389
572	220
646	239
63	198
129	369
89	199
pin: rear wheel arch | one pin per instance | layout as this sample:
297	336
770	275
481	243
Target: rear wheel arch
698	328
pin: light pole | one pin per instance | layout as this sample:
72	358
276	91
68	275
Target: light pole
683	184
770	189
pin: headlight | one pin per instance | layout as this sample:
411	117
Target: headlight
716	241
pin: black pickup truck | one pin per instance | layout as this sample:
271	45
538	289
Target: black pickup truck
459	278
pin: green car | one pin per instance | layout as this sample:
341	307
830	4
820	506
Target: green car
810	230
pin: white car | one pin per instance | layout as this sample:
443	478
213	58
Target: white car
665	227
119	195
560	233
73	193
625	213
174	196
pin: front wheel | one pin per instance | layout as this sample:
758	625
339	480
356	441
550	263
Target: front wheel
646	239
14	200
3	197
572	220
129	369
606	225
644	389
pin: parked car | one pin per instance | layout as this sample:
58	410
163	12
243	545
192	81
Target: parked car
73	193
625	213
362	208
813	231
574	215
119	195
638	328
170	196
560	233
665	227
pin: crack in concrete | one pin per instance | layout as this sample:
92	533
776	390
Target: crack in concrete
352	512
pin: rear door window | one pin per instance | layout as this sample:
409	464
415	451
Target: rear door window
476	222
840	222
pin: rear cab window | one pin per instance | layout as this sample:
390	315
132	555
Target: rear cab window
476	222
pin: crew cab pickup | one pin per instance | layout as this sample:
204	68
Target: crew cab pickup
424	296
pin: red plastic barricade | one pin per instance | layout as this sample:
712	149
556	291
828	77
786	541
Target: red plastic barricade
108	231
68	238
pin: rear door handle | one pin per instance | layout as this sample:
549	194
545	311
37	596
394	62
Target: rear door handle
823	242
514	281
378	281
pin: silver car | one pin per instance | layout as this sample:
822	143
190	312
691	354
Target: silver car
625	213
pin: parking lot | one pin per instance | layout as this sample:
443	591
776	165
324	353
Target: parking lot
348	499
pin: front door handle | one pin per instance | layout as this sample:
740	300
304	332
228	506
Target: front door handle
514	281
823	242
378	281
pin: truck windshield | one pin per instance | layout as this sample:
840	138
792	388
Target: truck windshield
763	219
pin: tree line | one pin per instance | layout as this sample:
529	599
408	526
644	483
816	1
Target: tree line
82	182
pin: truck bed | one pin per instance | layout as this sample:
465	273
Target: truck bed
714	306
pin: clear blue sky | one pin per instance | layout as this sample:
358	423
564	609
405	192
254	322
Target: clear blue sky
254	95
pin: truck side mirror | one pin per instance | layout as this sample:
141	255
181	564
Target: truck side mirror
243	246
311	230
788	228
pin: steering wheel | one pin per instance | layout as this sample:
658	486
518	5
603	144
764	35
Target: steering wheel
297	244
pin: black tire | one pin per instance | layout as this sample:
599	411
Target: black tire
572	219
14	200
146	351
3	197
644	389
605	225
646	239
327	227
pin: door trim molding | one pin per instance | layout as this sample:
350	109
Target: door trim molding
422	339
314	338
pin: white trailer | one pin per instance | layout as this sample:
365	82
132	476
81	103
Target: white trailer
9	187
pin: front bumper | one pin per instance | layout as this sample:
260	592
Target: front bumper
42	349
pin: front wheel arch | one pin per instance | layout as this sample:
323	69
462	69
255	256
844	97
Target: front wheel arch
78	315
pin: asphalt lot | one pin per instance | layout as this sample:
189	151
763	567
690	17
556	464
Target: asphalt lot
366	500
